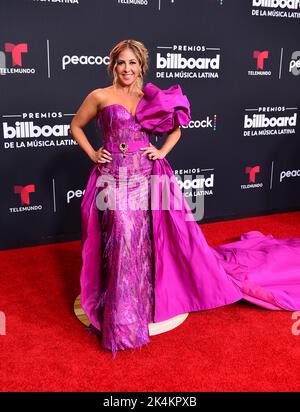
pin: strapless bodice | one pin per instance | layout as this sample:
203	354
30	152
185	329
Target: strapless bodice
117	124
158	112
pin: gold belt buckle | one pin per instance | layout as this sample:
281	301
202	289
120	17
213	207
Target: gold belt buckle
123	147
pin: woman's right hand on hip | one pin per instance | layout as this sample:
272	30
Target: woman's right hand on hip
102	156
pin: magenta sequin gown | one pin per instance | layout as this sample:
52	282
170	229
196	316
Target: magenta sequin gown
140	266
126	299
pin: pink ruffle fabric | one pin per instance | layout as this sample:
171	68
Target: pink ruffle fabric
162	110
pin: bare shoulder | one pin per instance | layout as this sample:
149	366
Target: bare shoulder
99	96
105	96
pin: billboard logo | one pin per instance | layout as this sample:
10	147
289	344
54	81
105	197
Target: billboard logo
37	130
262	121
195	61
270	120
177	61
276	4
276	8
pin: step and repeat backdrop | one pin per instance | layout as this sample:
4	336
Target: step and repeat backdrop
237	61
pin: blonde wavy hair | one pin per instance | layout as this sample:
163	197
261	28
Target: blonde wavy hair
141	53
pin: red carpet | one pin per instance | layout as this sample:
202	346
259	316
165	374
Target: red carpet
234	348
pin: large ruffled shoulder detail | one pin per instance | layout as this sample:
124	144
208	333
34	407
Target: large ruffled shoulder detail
162	110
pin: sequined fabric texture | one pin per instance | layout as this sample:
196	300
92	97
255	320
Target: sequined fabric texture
126	300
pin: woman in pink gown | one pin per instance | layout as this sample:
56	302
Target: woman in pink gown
152	263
